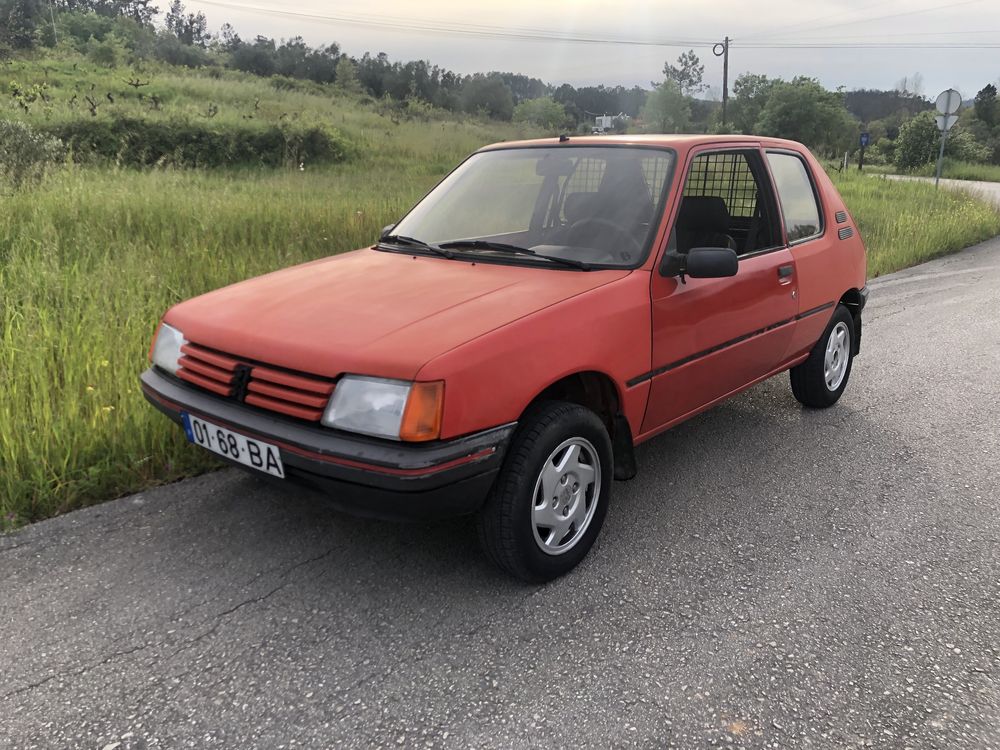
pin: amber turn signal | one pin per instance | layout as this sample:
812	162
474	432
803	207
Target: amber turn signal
422	415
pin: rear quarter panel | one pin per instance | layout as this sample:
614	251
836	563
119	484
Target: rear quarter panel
826	267
491	380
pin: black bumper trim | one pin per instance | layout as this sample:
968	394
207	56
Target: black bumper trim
362	475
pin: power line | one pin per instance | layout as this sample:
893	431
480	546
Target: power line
473	30
853	37
901	14
484	31
792	28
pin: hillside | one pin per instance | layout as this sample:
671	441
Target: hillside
96	109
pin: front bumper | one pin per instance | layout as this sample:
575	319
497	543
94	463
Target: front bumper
364	476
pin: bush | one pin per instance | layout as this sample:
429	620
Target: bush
963	146
545	112
918	142
25	154
136	142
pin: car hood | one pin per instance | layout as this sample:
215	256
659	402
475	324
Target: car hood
372	312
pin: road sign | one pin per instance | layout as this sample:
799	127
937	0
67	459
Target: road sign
866	138
946	122
949	102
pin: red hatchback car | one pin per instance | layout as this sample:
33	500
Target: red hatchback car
502	348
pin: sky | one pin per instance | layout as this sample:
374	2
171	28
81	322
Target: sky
832	40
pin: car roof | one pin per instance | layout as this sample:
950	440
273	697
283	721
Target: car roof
665	140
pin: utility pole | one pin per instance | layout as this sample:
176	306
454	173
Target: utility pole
52	15
722	50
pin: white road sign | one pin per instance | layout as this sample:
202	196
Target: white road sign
946	122
948	102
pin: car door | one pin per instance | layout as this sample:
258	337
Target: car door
713	337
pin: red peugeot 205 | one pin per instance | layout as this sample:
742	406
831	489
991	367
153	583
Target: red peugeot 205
502	348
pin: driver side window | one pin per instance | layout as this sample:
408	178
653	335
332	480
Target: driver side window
724	205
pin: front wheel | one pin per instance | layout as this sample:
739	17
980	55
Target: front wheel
821	379
549	501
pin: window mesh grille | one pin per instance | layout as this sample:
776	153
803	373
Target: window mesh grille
726	176
587	176
654	169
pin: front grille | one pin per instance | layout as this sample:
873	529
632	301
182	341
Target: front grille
296	395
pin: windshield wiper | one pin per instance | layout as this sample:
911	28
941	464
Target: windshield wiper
514	250
401	239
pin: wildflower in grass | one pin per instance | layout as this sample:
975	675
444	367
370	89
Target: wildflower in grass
90	389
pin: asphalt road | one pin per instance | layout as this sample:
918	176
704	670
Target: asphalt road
773	578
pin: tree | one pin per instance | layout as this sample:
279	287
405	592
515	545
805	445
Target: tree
190	28
347	76
986	105
918	142
489	96
18	21
228	37
545	112
667	109
522	87
911	85
256	58
141	11
687	74
750	94
802	110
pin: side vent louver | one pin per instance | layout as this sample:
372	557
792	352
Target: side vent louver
845	233
841	216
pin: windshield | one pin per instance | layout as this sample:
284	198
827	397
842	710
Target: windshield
592	205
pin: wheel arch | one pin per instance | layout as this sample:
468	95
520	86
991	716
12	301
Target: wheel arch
854	301
600	393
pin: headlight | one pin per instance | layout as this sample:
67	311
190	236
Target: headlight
167	348
393	409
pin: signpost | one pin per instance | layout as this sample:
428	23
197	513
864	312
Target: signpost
948	103
866	138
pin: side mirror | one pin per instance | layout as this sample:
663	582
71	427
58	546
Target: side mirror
712	263
385	231
701	263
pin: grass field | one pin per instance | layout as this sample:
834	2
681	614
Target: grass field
91	258
905	223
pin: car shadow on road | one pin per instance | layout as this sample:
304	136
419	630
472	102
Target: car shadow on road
746	469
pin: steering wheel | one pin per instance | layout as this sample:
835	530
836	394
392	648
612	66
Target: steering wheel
578	230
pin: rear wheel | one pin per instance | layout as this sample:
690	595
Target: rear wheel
549	502
822	378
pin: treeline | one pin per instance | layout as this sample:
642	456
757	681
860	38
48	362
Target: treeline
123	32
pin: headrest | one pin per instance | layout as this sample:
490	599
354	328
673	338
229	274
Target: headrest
580	206
703	212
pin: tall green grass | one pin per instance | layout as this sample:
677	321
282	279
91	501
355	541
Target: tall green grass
91	258
905	223
88	263
962	170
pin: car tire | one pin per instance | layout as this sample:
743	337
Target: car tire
550	499
819	381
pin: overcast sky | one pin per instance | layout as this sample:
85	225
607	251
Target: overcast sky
696	23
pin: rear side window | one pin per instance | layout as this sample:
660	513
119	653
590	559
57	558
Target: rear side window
725	175
798	198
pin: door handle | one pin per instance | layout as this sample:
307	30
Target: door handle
785	271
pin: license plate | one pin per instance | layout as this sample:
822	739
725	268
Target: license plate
247	451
